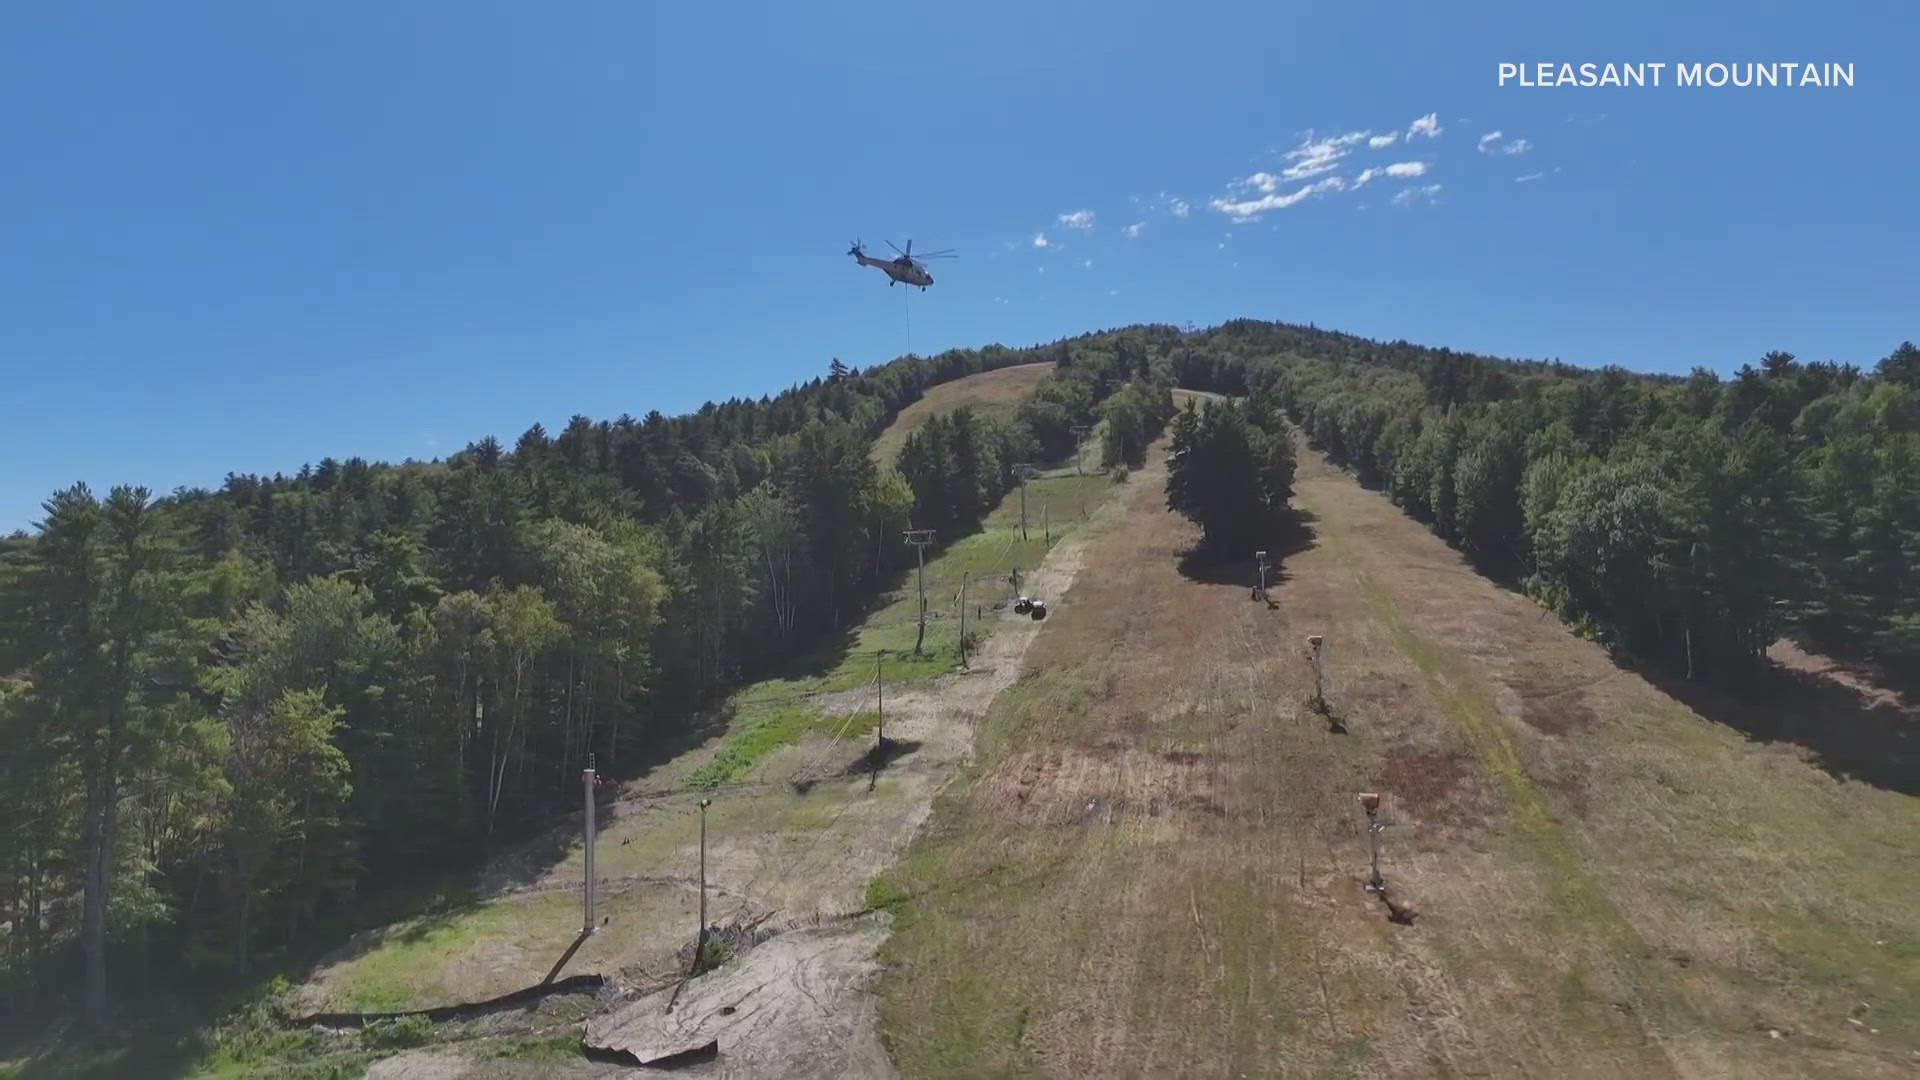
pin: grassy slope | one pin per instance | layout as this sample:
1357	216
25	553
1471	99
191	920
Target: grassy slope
1155	866
990	393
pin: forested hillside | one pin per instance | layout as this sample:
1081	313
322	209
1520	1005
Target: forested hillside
1689	521
241	720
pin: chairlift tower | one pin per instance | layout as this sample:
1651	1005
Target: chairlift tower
920	539
1025	472
1370	802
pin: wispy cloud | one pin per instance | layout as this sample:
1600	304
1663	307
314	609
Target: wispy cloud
1134	229
1529	178
1040	240
1086	264
1315	156
1491	143
1399	169
1181	208
1251	209
1379	141
1416	195
1428	125
1079	219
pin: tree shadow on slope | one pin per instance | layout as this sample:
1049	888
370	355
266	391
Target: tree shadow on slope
1239	568
1851	735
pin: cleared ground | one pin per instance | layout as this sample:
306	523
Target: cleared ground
989	392
799	827
1155	865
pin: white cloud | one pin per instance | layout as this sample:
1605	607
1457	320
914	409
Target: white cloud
1040	240
1414	195
1265	181
1398	170
1181	208
1428	125
1134	229
1491	143
1251	209
1079	219
1529	178
1315	156
1087	263
1113	292
1379	141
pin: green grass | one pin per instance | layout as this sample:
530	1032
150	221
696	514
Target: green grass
763	732
882	892
981	560
390	978
564	1047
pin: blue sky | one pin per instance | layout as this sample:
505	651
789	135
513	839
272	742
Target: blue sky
243	236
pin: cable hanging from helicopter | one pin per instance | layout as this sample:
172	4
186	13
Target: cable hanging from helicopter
905	270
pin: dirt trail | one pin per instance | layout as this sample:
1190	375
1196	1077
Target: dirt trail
800	1004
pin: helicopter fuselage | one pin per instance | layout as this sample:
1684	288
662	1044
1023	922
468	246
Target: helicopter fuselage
900	270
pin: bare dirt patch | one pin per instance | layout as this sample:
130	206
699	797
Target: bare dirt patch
1428	780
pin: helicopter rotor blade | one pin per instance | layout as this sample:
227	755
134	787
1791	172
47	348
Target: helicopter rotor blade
943	254
896	247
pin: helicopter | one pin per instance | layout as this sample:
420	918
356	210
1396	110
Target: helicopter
907	268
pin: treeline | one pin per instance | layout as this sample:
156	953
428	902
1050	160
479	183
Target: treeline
228	718
959	465
1131	419
1230	471
1686	520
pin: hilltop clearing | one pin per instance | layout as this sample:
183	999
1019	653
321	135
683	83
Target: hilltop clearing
1156	865
990	393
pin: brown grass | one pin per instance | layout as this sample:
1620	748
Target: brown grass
987	392
1156	868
